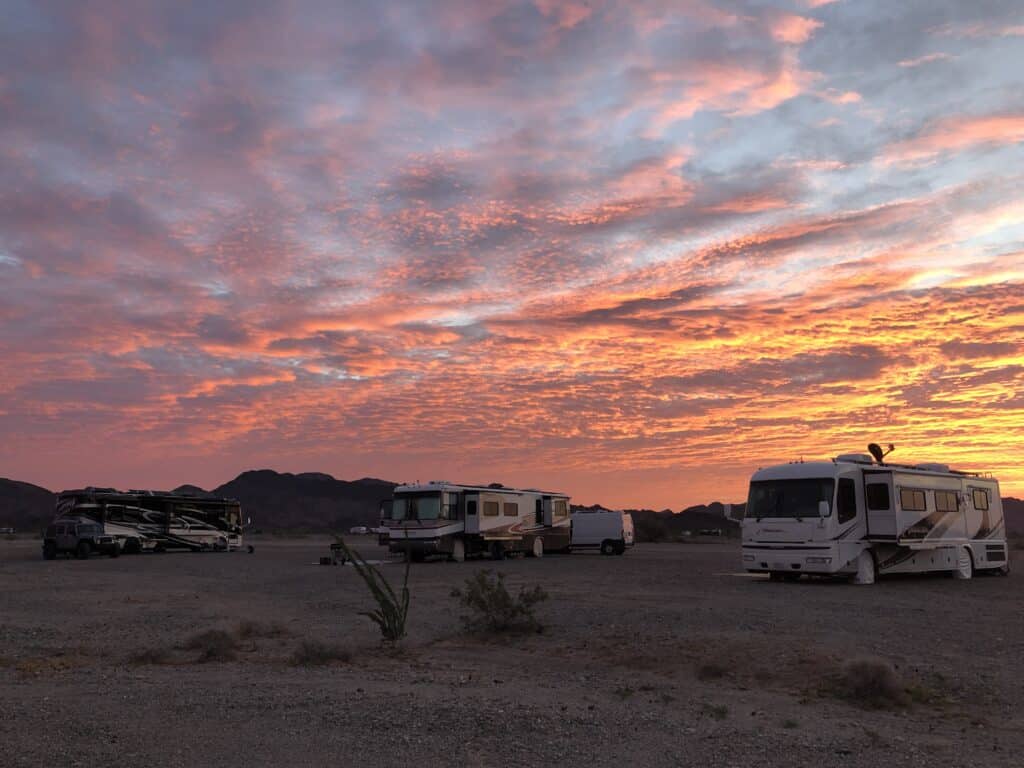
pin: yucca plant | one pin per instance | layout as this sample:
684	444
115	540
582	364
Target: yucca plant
392	609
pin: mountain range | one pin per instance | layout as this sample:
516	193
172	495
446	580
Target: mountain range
313	501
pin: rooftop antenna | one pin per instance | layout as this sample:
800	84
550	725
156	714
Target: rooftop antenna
876	451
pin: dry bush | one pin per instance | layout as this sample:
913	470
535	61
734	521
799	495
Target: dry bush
213	645
251	630
493	609
871	683
150	656
312	653
711	670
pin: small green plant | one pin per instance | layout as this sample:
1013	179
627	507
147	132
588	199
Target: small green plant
493	609
790	724
392	609
624	693
716	711
213	645
313	653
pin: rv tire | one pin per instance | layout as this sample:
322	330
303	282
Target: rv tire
607	547
83	550
964	564
132	547
458	553
867	568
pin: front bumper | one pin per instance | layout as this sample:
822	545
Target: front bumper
821	560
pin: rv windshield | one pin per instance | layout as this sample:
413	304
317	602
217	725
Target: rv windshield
789	498
416	507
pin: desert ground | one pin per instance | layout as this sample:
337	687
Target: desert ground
665	656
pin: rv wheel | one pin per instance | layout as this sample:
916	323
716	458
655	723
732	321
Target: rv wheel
458	553
607	548
867	568
964	564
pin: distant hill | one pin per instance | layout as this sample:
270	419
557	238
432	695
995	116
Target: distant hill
24	506
309	501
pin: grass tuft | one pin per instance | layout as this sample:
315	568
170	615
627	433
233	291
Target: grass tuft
213	645
313	653
870	683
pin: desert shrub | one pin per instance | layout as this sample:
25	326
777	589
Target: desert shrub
711	671
392	609
493	609
870	683
249	630
213	645
148	656
312	653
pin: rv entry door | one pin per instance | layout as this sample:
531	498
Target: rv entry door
878	501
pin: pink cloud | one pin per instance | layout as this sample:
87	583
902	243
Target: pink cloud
957	134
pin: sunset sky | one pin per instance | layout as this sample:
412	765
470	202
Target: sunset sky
632	251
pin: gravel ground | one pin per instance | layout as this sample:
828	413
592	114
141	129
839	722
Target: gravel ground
666	656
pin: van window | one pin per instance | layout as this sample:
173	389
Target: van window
491	508
878	496
980	499
945	501
912	500
846	500
511	509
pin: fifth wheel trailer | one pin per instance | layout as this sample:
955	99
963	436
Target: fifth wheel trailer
860	516
455	520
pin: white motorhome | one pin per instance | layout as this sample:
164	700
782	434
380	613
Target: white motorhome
860	516
611	532
461	520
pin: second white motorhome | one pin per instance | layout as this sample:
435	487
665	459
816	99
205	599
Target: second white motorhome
462	520
860	516
610	532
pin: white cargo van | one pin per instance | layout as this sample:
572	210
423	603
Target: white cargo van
611	532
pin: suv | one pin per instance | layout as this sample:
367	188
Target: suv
82	539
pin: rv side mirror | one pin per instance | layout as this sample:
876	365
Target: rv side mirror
824	510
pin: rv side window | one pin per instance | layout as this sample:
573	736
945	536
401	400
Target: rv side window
912	501
512	509
945	501
847	500
980	499
471	507
559	509
491	508
878	496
